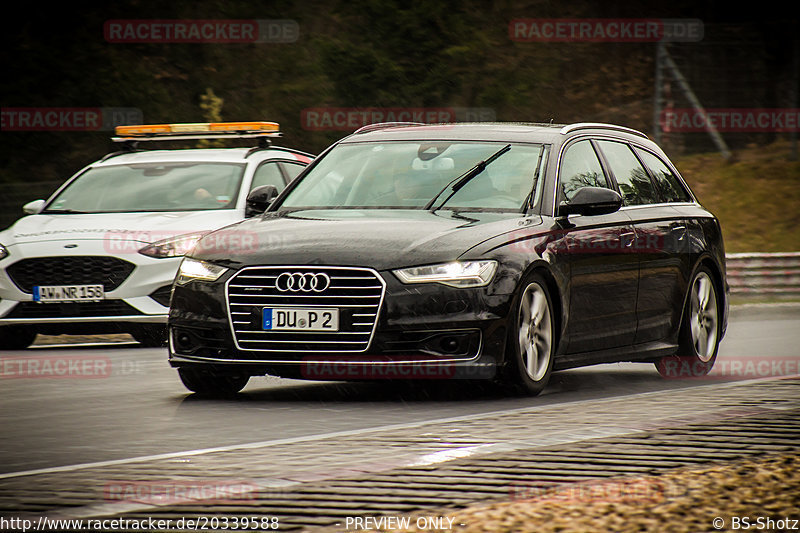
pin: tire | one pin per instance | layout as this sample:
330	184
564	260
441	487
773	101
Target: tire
211	383
531	338
150	336
14	338
699	336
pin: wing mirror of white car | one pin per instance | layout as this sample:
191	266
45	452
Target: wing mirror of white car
34	207
259	199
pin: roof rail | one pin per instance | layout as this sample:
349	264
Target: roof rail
599	126
128	146
120	152
261	147
384	125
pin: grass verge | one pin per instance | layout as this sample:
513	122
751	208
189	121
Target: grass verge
756	197
680	501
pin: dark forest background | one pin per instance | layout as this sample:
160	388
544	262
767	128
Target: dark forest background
387	53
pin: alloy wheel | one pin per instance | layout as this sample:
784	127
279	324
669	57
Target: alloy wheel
704	317
535	331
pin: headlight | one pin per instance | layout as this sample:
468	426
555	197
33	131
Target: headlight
459	274
193	269
172	247
3	252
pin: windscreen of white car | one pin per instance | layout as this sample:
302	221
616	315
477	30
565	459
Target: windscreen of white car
143	187
410	175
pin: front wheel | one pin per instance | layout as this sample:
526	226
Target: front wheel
699	336
14	338
531	341
212	383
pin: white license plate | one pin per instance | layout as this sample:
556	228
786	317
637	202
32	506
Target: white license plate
300	319
68	293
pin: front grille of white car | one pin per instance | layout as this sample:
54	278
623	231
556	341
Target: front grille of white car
70	270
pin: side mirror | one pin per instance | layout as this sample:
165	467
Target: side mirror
34	207
259	199
591	201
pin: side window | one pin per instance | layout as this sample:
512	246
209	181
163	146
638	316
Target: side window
671	187
634	183
580	168
293	169
268	174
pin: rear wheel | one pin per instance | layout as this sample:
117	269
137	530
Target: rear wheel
213	383
15	338
700	331
531	341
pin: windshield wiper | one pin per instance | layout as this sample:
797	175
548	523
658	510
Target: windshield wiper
529	199
464	178
63	212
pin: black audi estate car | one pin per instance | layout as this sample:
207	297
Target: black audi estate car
476	251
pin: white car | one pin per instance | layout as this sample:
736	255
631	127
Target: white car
100	254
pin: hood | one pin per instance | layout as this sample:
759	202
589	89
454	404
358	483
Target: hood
131	227
381	239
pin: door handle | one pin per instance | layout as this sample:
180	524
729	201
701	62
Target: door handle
627	238
680	230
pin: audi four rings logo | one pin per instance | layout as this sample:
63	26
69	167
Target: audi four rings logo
302	282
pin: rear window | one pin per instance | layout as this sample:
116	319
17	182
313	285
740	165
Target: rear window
669	185
634	182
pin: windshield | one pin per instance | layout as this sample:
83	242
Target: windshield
151	187
409	175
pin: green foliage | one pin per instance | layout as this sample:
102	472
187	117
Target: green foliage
756	197
351	53
211	104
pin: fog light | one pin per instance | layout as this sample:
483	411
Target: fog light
449	344
184	340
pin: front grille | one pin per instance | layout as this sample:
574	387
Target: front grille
110	308
356	292
70	270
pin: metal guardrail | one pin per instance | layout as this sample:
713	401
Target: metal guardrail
774	275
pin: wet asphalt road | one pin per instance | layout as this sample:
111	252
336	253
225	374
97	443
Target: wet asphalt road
135	405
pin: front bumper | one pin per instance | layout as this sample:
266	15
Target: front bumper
138	300
421	330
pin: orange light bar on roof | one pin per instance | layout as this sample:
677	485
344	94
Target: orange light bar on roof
197	128
201	127
244	126
142	130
